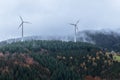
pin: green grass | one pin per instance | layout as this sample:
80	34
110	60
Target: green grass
116	58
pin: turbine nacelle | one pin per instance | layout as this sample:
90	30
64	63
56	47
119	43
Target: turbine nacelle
22	22
75	24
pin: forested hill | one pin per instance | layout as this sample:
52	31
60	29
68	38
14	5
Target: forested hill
52	46
109	40
56	60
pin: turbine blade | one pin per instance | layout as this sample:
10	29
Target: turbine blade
27	22
77	28
77	22
20	25
21	18
72	24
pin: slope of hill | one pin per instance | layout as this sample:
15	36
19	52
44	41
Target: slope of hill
55	60
104	39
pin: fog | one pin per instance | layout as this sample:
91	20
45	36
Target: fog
52	17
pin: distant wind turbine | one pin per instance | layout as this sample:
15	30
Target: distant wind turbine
76	28
22	26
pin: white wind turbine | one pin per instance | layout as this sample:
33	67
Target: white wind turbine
76	28
22	26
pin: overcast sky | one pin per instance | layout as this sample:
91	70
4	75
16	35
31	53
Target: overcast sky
51	17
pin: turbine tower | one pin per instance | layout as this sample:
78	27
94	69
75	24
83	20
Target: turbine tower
22	26
76	28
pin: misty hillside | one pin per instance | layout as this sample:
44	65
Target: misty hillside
106	39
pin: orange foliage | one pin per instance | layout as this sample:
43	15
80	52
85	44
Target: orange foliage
29	61
89	78
92	78
1	54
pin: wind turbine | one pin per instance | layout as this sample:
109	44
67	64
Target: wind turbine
22	26
76	28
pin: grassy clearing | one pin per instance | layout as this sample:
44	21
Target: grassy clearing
116	58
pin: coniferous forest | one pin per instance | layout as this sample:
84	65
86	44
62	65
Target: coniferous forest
56	60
